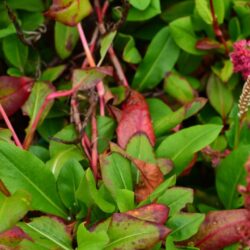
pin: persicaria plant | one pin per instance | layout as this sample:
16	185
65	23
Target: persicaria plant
124	124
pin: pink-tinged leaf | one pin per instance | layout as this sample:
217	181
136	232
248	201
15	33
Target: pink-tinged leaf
89	77
127	232
14	91
156	213
195	106
245	190
207	44
135	119
12	237
151	177
69	12
223	228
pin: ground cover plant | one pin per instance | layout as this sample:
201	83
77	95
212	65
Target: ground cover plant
124	124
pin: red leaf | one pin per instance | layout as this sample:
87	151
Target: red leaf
223	228
14	91
207	44
12	237
135	119
151	178
156	213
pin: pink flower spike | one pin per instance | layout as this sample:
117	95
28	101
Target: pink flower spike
241	57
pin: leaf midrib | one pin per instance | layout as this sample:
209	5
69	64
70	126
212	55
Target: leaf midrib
48	237
190	143
127	237
37	188
154	63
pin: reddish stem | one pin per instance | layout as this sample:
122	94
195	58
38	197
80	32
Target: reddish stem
78	122
91	46
8	123
217	29
112	54
94	153
105	7
29	137
100	86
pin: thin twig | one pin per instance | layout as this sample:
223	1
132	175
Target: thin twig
91	45
94	152
217	29
112	54
29	137
100	86
8	123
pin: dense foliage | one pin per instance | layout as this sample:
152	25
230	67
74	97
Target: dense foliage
120	125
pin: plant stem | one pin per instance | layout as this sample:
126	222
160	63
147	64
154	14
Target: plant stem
94	152
100	86
217	29
29	137
10	127
112	54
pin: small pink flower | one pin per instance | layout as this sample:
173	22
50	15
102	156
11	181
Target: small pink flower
241	57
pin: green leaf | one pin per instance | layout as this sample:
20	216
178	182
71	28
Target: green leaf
220	97
9	30
13	208
224	72
160	190
106	128
153	9
125	232
39	92
41	152
230	173
183	34
60	153
181	146
88	78
51	74
32	20
68	182
91	240
90	195
116	173
125	200
177	10
46	231
163	118
160	58
31	175
176	198
219	9
66	39
185	225
195	106
165	123
203	9
5	135
140	4
69	12
106	42
234	29
179	88
125	44
140	148
15	51
28	5
157	109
